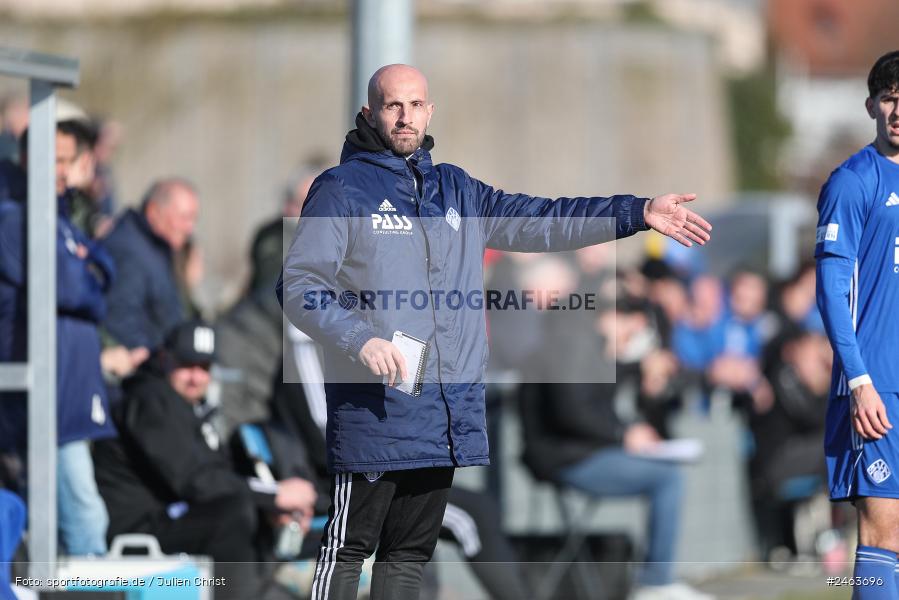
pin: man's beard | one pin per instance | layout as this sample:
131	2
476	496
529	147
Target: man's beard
405	145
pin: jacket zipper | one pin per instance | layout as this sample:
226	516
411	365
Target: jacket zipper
418	202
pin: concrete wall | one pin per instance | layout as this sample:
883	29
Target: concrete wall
556	108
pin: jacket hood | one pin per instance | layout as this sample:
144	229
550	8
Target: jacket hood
136	220
365	139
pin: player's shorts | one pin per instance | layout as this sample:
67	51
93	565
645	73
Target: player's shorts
856	466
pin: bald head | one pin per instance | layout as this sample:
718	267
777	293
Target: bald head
389	77
398	107
171	207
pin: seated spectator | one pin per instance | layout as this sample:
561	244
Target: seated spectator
249	333
83	212
102	190
190	268
83	272
748	326
789	432
661	377
170	475
584	445
700	336
145	302
795	301
577	438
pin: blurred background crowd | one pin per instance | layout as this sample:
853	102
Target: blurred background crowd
198	128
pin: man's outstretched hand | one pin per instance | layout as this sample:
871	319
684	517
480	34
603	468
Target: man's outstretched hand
667	215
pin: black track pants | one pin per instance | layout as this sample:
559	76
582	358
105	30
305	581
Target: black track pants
399	514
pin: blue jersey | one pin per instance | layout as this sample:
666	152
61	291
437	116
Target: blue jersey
858	227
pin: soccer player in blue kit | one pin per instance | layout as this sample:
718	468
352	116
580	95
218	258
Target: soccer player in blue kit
857	249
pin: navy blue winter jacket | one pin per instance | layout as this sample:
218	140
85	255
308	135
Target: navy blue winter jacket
82	406
382	223
144	304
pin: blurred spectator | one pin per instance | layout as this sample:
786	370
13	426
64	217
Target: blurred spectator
796	300
747	327
103	192
13	179
698	340
576	435
581	442
84	272
92	208
661	380
250	337
82	173
189	271
250	343
789	434
13	122
145	301
169	474
514	336
668	294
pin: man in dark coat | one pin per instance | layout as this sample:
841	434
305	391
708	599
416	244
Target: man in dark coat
83	273
169	473
144	301
388	219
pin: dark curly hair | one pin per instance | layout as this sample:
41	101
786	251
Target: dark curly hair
884	74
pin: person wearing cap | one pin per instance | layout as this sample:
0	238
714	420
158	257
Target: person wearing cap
169	474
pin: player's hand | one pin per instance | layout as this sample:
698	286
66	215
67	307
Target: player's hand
667	215
869	414
384	358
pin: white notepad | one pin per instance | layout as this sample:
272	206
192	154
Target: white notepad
685	450
415	351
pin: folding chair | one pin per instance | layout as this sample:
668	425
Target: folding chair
575	556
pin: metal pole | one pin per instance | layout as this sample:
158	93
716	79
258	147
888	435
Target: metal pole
382	35
42	330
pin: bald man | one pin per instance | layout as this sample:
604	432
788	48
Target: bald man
394	236
145	302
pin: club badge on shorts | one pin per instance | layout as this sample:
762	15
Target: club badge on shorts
879	471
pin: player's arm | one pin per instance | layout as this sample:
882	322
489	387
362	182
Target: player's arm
842	213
